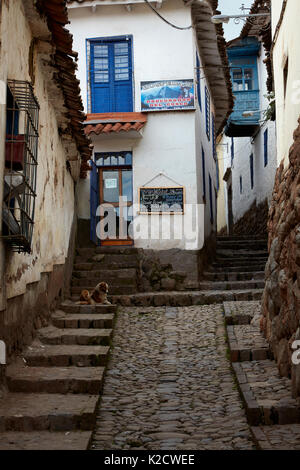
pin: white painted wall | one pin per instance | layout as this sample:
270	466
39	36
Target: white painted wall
171	142
243	147
286	46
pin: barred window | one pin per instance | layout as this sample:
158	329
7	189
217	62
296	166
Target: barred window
21	149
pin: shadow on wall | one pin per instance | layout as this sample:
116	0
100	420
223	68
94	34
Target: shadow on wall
254	222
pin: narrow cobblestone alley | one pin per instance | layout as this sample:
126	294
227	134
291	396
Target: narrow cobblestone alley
169	384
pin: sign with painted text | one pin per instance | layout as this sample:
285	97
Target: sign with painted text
161	200
167	95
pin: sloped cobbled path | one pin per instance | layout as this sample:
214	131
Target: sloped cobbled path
169	384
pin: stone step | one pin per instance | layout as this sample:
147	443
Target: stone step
241	237
220	254
71	307
105	274
47	412
179	299
235	276
246	343
223	262
80	336
82	320
113	290
63	356
277	437
242	244
82	264
45	440
108	261
232	285
108	250
241	313
267	396
112	282
60	380
237	269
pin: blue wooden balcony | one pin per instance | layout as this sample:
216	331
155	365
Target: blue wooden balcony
238	125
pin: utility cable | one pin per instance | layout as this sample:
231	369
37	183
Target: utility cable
164	19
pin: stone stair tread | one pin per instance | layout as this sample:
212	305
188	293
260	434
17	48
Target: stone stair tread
267	396
42	411
83	320
72	307
241	312
45	440
231	285
104	272
229	276
21	378
65	355
277	437
247	343
78	336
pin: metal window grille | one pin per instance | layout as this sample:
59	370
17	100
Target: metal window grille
21	150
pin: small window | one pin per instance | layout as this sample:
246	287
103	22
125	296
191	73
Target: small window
113	159
251	172
203	175
237	78
207	112
266	147
211	200
241	185
198	81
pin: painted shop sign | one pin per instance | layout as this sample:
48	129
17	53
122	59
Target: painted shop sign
167	95
162	200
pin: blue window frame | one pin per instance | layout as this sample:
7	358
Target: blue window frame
213	131
203	175
207	112
266	138
232	150
110	75
211	200
94	202
251	171
198	81
119	159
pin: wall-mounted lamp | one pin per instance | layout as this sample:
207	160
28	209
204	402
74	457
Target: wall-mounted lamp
218	19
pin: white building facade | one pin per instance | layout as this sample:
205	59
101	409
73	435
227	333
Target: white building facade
247	162
153	114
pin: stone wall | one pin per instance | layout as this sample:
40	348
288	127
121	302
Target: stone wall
281	299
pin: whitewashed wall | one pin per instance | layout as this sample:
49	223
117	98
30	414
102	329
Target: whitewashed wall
243	147
171	140
55	187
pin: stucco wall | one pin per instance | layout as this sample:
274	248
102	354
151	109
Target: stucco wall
286	46
55	187
171	142
243	148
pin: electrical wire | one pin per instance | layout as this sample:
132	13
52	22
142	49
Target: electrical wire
164	19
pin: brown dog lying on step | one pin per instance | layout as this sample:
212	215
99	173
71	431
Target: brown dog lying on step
97	296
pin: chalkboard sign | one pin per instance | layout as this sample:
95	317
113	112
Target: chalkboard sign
162	200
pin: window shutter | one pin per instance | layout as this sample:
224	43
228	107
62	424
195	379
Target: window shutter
198	81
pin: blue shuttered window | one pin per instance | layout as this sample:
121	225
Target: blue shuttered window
266	147
213	135
198	81
251	172
207	112
203	175
211	200
111	75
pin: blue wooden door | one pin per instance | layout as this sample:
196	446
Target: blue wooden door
94	202
111	76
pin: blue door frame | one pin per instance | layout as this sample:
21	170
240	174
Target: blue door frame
110	75
94	202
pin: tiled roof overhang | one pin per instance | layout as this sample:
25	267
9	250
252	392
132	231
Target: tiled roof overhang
109	123
56	14
212	48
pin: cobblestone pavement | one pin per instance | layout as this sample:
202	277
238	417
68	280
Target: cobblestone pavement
169	383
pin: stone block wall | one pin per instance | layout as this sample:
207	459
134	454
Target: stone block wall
281	299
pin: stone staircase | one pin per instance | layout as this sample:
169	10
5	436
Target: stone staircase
54	388
114	265
272	412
